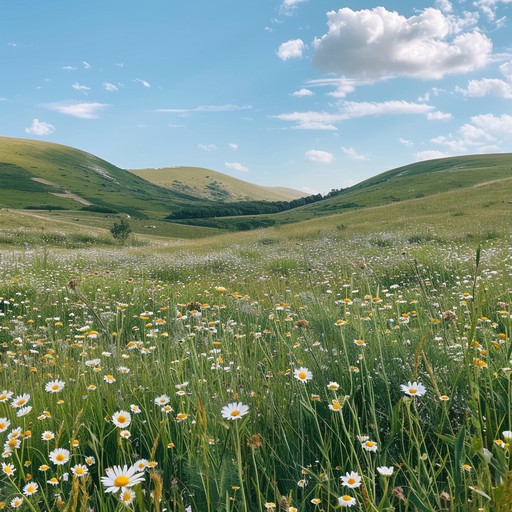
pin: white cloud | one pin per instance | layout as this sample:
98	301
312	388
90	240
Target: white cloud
110	87
207	147
506	70
291	49
353	154
351	109
377	43
236	166
438	116
232	145
175	125
288	6
69	68
321	157
83	110
40	128
342	86
302	92
80	87
489	6
147	85
312	120
429	155
488	87
444	5
483	133
205	108
405	142
86	65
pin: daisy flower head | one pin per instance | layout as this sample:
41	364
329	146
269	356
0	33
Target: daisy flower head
4	424
385	470
54	386
346	501
302	374
333	386
369	446
30	488
234	411
5	395
20	400
59	456
413	388
8	469
162	400
126	497
507	435
47	435
23	411
119	477
79	470
17	502
121	419
125	434
352	480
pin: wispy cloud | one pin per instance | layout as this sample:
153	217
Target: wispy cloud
321	157
293	49
69	68
83	110
80	87
207	147
205	108
236	166
351	109
110	87
86	65
288	6
232	145
146	84
40	128
353	154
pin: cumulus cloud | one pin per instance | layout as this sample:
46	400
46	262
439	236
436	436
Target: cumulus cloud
147	85
303	92
291	49
83	110
483	133
40	128
488	87
377	43
80	87
321	157
353	154
110	87
236	166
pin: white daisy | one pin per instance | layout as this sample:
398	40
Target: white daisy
234	411
413	388
119	477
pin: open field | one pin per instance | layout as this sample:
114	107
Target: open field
270	371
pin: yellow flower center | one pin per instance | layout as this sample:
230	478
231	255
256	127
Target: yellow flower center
121	419
351	481
346	498
55	387
235	413
60	457
413	391
121	481
302	375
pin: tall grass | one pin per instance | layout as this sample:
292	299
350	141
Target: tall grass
174	338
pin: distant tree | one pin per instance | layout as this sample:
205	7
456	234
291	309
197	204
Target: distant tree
121	230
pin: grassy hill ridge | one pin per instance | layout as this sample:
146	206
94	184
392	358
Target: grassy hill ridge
213	185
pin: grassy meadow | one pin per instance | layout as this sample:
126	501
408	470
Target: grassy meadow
339	363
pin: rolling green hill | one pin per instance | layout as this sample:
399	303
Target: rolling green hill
213	185
40	175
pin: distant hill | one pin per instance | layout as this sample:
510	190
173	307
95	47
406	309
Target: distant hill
213	185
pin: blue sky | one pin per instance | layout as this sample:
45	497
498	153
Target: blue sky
309	94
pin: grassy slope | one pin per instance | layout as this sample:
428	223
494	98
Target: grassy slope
83	174
214	185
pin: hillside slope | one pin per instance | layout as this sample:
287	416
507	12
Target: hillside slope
40	175
213	185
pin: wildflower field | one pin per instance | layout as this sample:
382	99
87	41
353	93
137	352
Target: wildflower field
309	375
